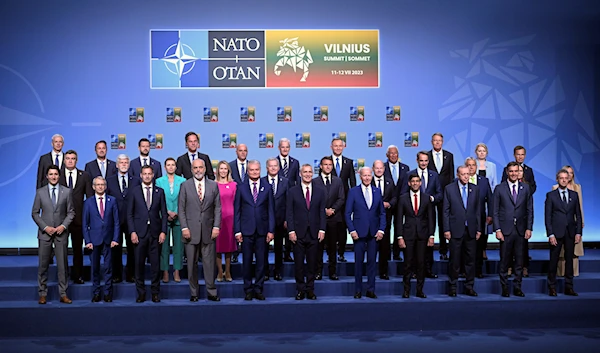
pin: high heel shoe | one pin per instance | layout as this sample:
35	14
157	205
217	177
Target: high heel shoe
165	278
220	278
228	278
176	277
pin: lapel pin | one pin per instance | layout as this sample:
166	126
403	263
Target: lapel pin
521	188
262	188
227	187
470	190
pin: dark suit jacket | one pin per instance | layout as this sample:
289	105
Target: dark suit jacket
365	221
335	197
280	199
455	214
93	168
250	217
562	219
389	195
301	219
43	164
347	173
81	190
139	217
527	176
113	188
235	172
447	173
402	174
420	226
293	171
184	167
135	167
434	186
97	230
510	217
486	201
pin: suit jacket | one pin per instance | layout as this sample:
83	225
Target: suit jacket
486	201
97	230
200	217
562	220
490	173
113	188
43	164
335	197
415	227
402	174
82	189
235	172
455	214
140	217
93	168
135	167
293	170
434	186
184	167
347	173
527	176
389	195
52	216
447	172
172	198
365	221
250	217
511	217
306	222
280	198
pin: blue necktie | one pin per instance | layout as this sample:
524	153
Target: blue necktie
145	161
273	186
423	181
123	184
394	174
464	196
70	180
102	170
243	176
54	197
337	166
56	161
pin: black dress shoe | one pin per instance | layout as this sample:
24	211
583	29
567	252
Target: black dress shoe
385	277
300	295
342	259
234	259
462	275
108	298
129	279
96	298
421	295
570	291
552	292
431	275
413	276
288	258
443	257
452	293
310	295
470	292
371	295
406	294
117	280
318	276
140	299
249	296
334	277
78	281
518	292
479	275
266	278
277	277
397	258
193	298
259	296
505	292
155	298
357	295
213	298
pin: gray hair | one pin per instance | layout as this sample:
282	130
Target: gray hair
122	156
99	177
284	139
271	160
390	147
253	161
58	135
365	168
470	159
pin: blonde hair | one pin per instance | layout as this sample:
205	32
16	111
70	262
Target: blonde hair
228	171
481	144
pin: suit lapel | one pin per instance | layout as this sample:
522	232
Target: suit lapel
520	191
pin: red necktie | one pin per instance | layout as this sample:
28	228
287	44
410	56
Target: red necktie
416	205
307	198
101	208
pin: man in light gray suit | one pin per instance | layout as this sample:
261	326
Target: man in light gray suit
55	204
200	218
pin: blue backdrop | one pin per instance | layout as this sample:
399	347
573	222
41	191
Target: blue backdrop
501	72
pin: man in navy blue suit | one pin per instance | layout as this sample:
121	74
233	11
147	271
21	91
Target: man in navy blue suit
388	192
430	185
101	166
513	222
564	228
118	187
280	186
289	168
343	168
462	228
54	157
136	164
485	207
147	224
239	166
365	218
100	223
398	172
306	222
253	226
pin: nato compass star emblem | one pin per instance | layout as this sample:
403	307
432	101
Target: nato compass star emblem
179	59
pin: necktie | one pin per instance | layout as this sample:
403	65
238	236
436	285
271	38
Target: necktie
102	169
464	196
395	174
368	197
70	180
193	157
145	161
148	199
254	192
243	174
56	161
123	184
514	193
285	168
327	182
337	166
438	162
54	197
564	198
101	208
423	181
200	191
472	179
273	186
307	198
416	205
379	186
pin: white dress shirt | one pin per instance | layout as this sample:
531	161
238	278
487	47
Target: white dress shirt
252	185
190	154
60	158
335	160
103	196
50	187
380	183
239	165
142	160
73	176
324	177
365	190
309	187
126	175
424	175
283	159
144	186
274	181
510	187
200	182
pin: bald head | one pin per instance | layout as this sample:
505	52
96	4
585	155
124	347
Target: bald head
198	168
242	151
378	168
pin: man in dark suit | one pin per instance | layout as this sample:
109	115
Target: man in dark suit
414	228
344	169
289	168
100	225
101	166
334	204
442	162
398	172
485	207
53	212
513	222
147	224
279	186
306	225
118	187
388	192
431	186
365	217
184	162
253	226
239	166
462	228
136	164
55	157
80	184
528	177
563	227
